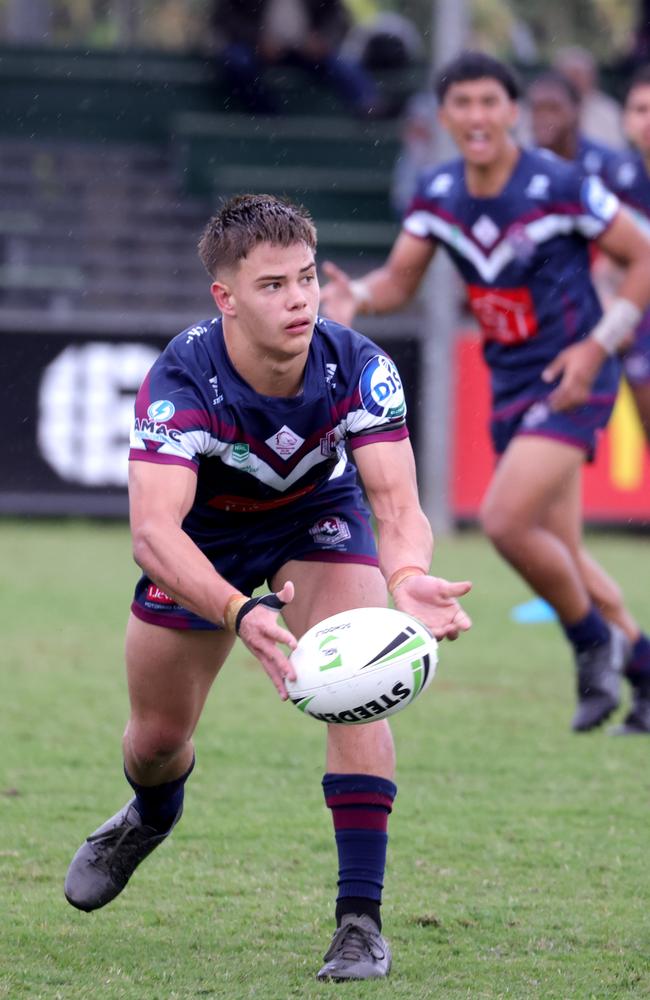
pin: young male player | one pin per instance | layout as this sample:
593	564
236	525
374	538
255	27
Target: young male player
517	224
630	179
554	105
238	475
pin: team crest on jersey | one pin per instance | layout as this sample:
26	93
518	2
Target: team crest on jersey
330	531
161	411
380	388
328	444
523	246
285	442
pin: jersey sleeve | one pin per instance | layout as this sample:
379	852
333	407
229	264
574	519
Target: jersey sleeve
378	407
598	206
171	424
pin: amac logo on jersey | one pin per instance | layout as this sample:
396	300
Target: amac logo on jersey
380	388
161	410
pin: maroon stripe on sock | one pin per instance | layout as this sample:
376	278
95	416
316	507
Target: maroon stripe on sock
358	799
360	819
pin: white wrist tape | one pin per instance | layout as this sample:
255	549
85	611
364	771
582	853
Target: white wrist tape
361	294
618	323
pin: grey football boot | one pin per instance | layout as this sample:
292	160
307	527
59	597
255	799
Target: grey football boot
357	951
599	674
106	860
637	721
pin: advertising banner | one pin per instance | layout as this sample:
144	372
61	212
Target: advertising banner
616	485
68	405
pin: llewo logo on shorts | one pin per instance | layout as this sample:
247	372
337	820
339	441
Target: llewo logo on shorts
161	410
330	531
380	388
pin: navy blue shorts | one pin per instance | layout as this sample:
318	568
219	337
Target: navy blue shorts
248	549
528	413
636	361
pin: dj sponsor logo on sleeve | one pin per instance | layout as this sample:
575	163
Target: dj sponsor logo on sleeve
381	389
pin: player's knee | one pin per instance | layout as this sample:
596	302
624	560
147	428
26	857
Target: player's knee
496	523
156	742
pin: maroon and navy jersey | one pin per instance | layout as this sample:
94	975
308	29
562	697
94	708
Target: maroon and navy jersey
630	180
253	453
524	256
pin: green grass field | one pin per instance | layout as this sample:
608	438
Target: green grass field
519	855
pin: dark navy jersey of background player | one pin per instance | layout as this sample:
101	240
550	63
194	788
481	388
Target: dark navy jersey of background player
594	157
524	255
255	453
630	180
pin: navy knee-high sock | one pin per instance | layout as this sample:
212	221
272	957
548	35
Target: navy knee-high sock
360	804
159	805
590	632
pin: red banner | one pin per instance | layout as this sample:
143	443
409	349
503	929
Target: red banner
616	485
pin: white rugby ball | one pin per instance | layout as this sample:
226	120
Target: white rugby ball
361	665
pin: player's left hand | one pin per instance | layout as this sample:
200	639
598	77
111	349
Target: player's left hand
576	367
433	601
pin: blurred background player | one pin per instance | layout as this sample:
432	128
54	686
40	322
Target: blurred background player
630	179
600	114
554	107
258	34
239	474
517	225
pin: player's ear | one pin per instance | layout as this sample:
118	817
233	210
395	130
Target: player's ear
223	298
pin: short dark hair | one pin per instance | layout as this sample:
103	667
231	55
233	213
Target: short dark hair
555	79
641	78
249	219
471	65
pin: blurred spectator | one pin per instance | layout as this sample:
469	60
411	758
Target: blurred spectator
554	107
418	134
600	115
257	34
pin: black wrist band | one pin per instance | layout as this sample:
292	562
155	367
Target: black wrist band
268	600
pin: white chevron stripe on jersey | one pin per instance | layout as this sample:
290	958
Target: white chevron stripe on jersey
191	443
490	265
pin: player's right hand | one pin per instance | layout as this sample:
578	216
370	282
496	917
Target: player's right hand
336	298
260	632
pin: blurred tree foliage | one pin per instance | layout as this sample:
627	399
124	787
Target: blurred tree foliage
502	26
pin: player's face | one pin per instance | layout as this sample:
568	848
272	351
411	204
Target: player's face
554	117
479	115
273	297
636	119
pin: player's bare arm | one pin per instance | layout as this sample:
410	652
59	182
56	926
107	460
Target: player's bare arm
160	496
405	540
385	289
579	364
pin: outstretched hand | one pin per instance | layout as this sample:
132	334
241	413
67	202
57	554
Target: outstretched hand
433	601
260	632
336	298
